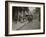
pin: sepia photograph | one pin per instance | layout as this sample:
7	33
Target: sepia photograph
24	18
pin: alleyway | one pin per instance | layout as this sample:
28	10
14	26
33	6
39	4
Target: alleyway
32	25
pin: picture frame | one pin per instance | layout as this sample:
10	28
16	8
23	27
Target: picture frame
24	18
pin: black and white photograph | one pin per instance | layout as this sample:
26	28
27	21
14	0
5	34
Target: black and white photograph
24	18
